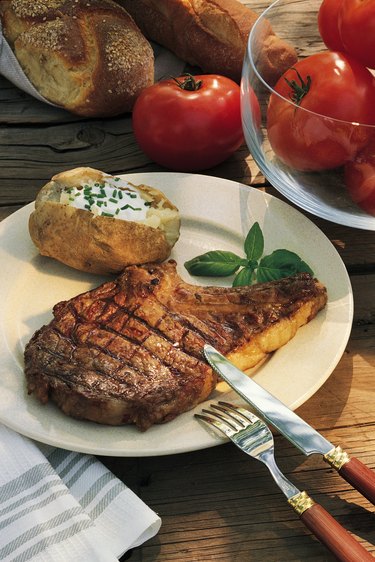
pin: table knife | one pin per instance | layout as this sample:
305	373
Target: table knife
294	428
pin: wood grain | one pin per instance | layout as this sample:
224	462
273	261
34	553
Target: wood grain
360	477
335	537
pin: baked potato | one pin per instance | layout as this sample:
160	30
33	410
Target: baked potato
99	223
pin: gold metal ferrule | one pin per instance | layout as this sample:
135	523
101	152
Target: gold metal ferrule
300	502
336	458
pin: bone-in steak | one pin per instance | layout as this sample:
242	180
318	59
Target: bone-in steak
130	351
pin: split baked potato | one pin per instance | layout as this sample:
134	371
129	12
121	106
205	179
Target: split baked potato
99	223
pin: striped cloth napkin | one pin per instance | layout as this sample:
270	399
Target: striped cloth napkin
166	64
62	506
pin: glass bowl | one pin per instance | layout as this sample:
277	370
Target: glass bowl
321	193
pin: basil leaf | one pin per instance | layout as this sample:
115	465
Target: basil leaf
254	242
279	264
244	277
306	268
216	263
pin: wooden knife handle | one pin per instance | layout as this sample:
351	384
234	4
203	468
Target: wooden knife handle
353	471
360	476
330	533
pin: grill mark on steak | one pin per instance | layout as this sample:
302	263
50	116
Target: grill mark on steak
130	351
97	332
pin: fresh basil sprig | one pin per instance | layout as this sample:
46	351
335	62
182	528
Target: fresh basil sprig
253	268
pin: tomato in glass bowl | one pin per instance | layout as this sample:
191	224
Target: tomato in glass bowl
303	145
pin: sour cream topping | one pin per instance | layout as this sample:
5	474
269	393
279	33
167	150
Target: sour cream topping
111	197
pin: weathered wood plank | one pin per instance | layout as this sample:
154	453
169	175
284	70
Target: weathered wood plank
29	157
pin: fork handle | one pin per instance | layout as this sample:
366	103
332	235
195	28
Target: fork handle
329	532
360	476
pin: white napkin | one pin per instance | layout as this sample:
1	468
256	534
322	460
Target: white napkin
62	506
166	64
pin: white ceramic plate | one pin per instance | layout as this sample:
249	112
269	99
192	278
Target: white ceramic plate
216	214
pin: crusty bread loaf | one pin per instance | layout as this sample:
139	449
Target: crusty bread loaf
211	34
89	57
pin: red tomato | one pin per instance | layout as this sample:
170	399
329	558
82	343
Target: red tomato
255	108
357	29
331	90
328	22
360	178
189	129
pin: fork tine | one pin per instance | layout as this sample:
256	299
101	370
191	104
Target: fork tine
249	416
232	423
225	428
231	411
232	414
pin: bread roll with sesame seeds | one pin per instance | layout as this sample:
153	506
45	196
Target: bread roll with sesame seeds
87	56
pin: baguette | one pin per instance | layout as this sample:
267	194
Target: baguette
210	34
89	57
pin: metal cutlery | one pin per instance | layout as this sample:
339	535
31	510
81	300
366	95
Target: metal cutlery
254	437
294	428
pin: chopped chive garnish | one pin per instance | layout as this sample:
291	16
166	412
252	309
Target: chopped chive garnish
103	196
130	207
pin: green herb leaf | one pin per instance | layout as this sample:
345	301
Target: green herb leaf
216	263
244	277
254	242
255	268
279	264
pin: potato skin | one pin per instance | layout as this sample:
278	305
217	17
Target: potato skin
96	244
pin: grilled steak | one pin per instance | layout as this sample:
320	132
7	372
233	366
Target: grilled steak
130	351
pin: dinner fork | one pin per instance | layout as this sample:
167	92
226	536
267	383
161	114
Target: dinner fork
253	436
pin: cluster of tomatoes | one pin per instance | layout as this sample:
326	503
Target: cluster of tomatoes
336	91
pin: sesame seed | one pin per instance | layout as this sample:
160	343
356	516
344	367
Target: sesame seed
34	8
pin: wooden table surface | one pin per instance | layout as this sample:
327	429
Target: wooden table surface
217	504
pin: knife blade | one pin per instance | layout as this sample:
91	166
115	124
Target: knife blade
294	428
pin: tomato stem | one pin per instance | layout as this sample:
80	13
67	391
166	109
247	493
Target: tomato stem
299	91
189	83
